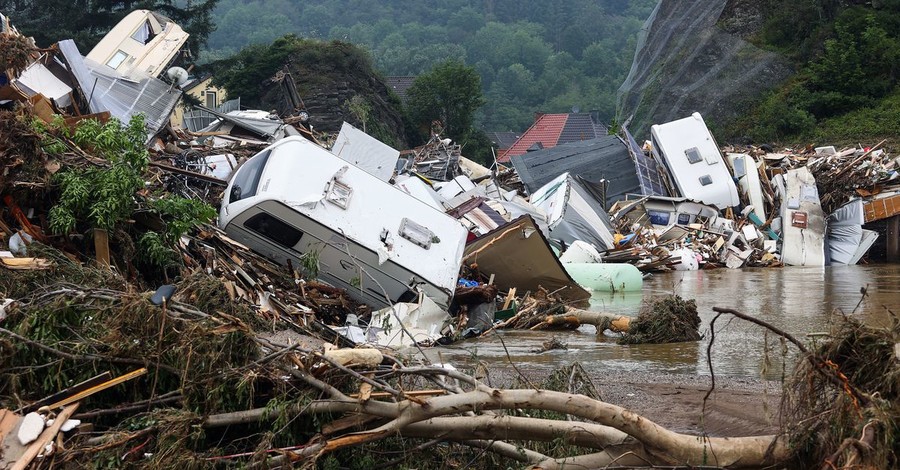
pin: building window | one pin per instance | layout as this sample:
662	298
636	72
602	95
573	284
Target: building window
274	229
211	99
117	60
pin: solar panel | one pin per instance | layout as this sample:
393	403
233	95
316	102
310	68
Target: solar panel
646	168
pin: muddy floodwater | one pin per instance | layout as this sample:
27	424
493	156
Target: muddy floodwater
801	301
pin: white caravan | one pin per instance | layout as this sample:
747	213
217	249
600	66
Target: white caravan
297	201
692	157
803	221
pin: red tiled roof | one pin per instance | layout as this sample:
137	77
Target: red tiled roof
546	130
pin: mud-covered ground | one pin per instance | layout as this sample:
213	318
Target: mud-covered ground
737	407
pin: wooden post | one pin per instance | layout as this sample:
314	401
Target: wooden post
101	246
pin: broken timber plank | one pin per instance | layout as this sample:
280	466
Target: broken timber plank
25	264
77	388
101	246
46	437
100	387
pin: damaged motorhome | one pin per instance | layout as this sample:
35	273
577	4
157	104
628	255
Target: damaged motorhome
143	44
692	157
297	203
574	212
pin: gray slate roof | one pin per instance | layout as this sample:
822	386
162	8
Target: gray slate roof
605	157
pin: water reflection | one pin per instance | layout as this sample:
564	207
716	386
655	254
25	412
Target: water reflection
798	300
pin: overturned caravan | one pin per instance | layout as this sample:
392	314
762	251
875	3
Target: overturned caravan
297	202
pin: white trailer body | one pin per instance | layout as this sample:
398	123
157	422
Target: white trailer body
295	199
692	157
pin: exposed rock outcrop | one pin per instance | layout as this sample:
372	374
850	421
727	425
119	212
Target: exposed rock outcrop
692	55
328	76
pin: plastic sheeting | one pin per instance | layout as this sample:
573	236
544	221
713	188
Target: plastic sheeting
106	90
845	232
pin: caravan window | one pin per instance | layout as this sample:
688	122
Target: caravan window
274	229
247	179
658	217
684	219
144	33
116	60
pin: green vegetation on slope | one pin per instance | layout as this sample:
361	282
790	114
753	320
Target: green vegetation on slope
49	21
531	55
849	69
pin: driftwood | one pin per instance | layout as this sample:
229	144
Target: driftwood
574	317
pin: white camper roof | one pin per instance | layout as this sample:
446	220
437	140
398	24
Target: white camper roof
356	204
692	157
141	45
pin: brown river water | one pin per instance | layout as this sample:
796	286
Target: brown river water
798	300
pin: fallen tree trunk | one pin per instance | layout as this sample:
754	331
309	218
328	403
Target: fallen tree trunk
575	317
652	443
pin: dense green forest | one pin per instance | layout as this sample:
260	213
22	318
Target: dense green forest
847	85
531	55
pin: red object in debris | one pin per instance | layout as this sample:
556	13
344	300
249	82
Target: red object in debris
798	219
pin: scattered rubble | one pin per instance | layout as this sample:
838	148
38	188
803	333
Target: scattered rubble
321	268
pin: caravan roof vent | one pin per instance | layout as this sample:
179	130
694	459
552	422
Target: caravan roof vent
693	155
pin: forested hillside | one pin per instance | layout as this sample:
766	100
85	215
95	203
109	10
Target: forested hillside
847	87
531	55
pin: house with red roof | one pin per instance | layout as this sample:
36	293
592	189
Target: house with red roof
550	130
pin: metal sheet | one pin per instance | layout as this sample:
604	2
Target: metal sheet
519	256
366	152
122	97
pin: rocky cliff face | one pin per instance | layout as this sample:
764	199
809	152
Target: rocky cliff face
328	76
692	55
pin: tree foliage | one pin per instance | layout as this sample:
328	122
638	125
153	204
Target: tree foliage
449	93
849	61
573	53
105	196
49	21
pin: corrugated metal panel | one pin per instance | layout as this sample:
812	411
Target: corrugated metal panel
261	127
606	157
123	98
